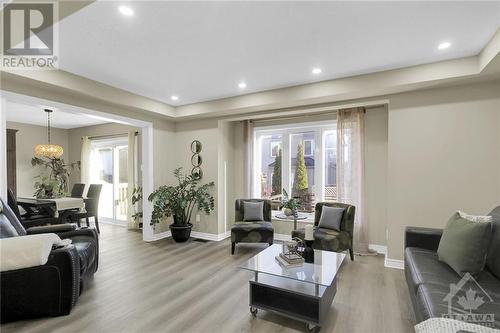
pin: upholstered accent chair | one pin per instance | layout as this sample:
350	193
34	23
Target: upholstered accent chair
258	231
328	239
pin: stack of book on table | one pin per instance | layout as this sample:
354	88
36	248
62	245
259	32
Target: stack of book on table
290	260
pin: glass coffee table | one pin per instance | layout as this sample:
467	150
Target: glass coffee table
302	293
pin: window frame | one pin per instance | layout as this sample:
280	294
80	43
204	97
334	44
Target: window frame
320	128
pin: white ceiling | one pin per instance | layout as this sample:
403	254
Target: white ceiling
33	114
201	50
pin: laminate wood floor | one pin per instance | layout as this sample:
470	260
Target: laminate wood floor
197	287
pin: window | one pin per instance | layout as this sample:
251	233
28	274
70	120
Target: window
308	147
299	158
275	147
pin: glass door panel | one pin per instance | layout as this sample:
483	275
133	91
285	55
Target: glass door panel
121	183
110	158
105	176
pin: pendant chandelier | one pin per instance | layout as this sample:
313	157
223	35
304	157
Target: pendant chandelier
48	150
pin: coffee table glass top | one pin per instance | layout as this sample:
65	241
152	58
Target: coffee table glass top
322	272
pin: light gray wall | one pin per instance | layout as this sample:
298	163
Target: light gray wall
443	156
27	137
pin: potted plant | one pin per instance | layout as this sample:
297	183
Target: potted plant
290	205
179	201
56	184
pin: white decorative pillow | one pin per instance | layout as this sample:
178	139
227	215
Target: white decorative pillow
475	218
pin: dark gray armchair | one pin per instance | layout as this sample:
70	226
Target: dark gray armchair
252	231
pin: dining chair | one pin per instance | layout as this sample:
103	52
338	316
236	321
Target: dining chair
77	190
91	206
29	220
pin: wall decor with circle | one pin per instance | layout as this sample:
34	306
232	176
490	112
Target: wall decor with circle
196	160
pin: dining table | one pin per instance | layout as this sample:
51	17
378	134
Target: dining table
60	208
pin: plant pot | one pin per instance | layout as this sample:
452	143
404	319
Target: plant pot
287	211
181	232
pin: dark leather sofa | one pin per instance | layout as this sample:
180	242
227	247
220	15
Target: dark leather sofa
429	279
51	289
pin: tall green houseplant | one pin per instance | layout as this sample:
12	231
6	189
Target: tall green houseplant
300	182
180	201
276	180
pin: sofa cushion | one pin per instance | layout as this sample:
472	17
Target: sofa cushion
253	232
464	245
423	266
327	239
493	258
331	218
253	211
433	300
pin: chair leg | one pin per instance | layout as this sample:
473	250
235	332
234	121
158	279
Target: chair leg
233	244
87	220
78	223
96	221
351	253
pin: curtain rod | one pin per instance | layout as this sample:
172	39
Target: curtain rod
272	119
136	133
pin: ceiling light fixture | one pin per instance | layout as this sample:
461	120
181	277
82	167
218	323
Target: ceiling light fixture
48	150
174	98
242	85
127	11
444	45
316	70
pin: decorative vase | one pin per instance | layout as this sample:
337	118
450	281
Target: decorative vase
180	232
287	211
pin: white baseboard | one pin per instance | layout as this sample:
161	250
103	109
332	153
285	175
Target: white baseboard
211	237
394	263
282	237
160	235
380	249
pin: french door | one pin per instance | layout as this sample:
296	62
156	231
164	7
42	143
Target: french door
109	159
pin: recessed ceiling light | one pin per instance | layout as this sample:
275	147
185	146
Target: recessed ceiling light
174	98
127	11
444	45
316	70
242	85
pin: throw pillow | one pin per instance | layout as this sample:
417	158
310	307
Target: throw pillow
253	211
331	217
464	245
493	257
12	218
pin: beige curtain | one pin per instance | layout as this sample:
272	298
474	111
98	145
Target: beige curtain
132	181
350	170
249	137
85	161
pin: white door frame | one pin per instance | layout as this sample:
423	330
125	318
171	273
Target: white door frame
147	146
